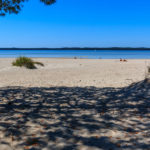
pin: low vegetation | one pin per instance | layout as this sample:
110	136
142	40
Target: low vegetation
148	69
147	74
26	62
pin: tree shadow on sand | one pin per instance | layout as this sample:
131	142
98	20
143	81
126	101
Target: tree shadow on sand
68	118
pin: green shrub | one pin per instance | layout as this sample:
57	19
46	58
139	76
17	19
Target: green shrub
26	62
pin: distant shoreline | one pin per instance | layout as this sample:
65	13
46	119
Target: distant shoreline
78	48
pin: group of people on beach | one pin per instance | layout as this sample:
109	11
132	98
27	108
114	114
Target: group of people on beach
123	60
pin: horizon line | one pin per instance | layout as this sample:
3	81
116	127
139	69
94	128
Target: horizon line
69	48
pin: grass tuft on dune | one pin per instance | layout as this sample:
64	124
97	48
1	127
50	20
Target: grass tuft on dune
26	62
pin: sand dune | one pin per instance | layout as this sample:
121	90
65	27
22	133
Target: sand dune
75	105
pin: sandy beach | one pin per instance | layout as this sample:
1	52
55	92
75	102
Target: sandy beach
74	72
75	104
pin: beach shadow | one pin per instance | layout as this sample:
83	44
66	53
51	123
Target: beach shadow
68	118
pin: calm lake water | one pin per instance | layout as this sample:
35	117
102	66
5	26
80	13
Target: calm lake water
90	54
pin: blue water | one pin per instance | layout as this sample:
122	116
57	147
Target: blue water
90	54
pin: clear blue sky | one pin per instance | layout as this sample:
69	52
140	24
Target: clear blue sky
99	23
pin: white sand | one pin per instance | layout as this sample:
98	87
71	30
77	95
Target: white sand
44	117
71	72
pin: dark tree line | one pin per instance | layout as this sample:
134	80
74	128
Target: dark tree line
14	6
